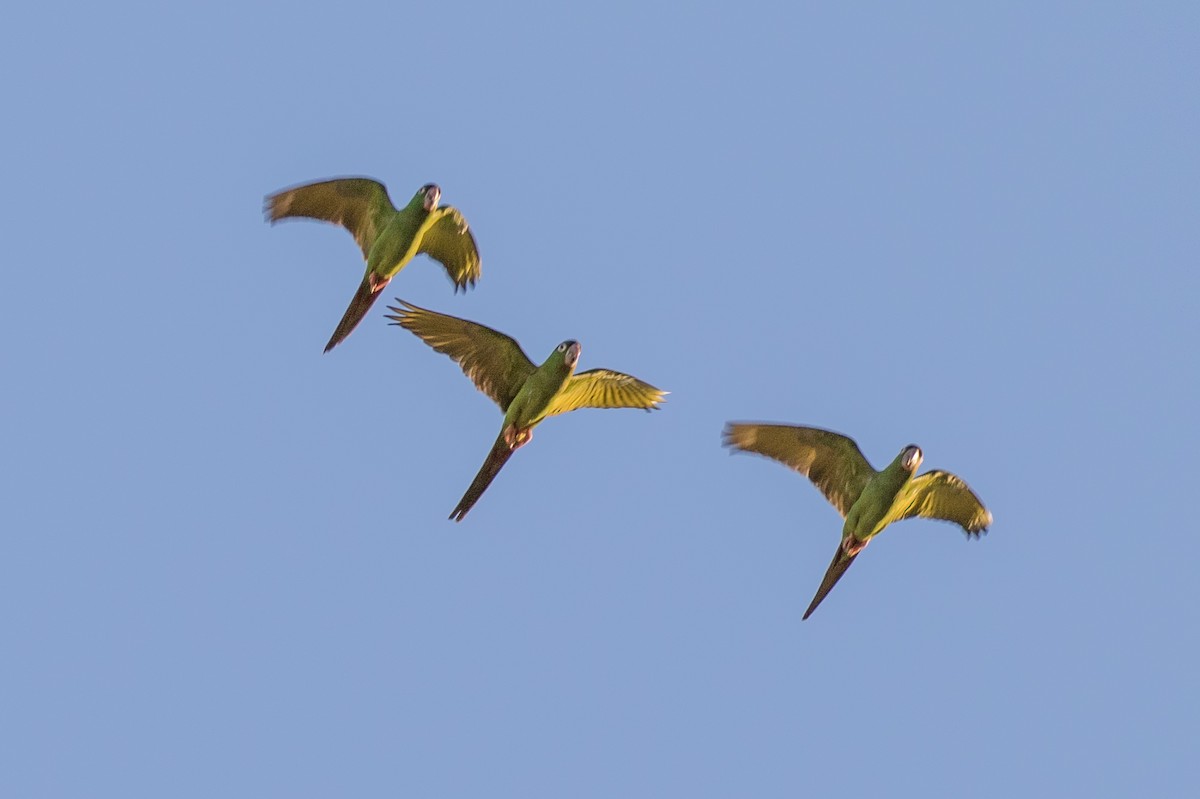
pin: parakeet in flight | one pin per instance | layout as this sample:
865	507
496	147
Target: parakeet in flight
389	238
527	393
868	500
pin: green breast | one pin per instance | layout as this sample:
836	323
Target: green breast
875	508
529	406
396	245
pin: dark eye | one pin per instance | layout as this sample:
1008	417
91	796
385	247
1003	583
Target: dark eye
562	347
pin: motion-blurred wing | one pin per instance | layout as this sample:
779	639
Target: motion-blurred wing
604	388
494	362
941	495
449	241
360	205
832	461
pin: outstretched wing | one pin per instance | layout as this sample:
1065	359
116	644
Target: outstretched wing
495	362
832	461
449	241
941	495
360	205
604	388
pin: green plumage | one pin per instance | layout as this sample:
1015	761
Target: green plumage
525	392
389	238
868	500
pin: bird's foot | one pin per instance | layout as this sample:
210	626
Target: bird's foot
853	545
517	438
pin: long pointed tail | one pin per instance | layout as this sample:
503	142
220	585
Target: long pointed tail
841	562
368	291
491	467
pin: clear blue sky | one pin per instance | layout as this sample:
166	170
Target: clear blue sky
226	568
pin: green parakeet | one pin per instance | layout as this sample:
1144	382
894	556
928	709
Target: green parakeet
868	500
525	392
389	238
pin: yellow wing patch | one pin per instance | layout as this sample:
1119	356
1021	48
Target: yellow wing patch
449	241
604	388
942	495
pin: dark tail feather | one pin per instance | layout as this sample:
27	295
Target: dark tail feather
364	298
491	467
841	562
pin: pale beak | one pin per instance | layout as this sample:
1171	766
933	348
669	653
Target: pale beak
432	197
914	462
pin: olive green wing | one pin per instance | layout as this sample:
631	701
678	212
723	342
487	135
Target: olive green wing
604	388
832	461
360	205
941	495
495	362
449	241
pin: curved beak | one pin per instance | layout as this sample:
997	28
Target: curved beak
432	197
914	459
573	353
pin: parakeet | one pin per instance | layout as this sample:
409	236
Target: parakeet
525	392
389	238
868	500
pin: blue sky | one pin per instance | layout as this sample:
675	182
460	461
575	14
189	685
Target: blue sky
226	564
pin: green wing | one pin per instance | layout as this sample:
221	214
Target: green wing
604	388
449	241
832	461
360	205
941	495
494	362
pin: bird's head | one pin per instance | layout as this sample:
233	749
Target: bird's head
910	458
569	352
431	196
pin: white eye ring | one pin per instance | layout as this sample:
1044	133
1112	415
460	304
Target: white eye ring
562	347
